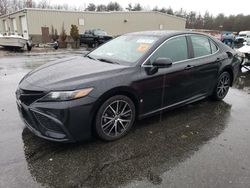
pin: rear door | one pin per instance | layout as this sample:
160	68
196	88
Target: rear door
206	60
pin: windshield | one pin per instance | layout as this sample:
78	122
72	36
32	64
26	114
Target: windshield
242	35
126	48
100	32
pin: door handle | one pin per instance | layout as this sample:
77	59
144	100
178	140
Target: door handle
188	67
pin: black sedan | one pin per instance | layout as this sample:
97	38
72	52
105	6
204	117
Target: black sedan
131	77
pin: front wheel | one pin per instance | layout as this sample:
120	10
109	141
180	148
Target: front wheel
95	44
115	118
222	86
29	46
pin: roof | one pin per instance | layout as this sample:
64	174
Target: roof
93	12
155	32
162	33
167	33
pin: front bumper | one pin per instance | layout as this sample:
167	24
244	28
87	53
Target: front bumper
67	121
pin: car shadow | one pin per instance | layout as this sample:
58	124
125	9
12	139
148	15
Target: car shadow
152	147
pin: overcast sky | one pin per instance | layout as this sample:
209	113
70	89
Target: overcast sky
213	6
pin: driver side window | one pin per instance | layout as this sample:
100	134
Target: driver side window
175	49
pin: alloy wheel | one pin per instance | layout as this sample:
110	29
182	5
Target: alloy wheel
116	118
223	86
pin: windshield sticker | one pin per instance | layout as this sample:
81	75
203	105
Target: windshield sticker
142	47
147	41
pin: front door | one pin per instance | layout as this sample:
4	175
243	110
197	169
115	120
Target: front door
171	85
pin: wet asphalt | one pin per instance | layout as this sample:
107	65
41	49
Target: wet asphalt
205	144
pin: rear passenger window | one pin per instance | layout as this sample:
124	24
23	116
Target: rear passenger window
175	49
213	47
201	45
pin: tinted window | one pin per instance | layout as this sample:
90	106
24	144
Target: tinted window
213	47
175	49
201	46
100	32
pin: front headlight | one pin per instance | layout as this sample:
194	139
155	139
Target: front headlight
66	95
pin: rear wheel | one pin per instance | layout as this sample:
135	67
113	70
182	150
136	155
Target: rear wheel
115	118
222	86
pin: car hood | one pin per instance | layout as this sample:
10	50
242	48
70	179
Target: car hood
68	74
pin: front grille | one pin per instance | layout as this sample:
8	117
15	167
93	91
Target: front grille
28	97
48	123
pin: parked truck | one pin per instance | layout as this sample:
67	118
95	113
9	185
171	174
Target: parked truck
244	35
94	37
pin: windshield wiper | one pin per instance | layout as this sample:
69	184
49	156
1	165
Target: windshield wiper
90	57
107	60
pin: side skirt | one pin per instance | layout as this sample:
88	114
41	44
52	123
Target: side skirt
172	106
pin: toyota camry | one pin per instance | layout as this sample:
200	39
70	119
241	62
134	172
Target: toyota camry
133	76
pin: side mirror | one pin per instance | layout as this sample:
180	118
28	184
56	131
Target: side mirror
157	64
162	62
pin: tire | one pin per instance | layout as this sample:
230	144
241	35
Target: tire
95	44
56	46
222	86
112	123
29	47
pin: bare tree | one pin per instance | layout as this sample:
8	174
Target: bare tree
91	7
65	7
29	4
137	7
129	8
114	6
170	11
43	4
14	6
181	13
4	5
155	8
101	8
208	20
